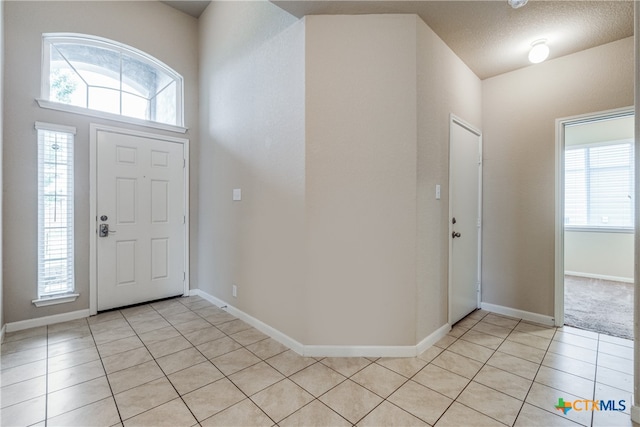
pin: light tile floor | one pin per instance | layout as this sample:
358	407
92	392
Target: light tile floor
185	362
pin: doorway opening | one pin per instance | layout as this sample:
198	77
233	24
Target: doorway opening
595	223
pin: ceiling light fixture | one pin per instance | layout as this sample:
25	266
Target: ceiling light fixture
539	51
517	3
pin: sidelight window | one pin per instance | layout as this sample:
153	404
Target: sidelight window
55	212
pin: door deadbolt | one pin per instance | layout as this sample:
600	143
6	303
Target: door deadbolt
104	218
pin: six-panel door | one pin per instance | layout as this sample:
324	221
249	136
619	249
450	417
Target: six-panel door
140	217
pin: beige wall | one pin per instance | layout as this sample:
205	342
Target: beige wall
519	112
599	254
445	85
336	128
155	28
252	122
361	126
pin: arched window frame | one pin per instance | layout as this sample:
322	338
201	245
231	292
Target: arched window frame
45	101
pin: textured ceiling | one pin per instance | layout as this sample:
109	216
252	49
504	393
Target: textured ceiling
490	36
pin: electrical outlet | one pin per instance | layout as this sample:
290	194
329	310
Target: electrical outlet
234	291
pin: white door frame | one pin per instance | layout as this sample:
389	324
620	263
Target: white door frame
455	120
93	202
559	183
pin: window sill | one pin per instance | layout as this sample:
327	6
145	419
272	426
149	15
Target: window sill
58	299
43	103
623	230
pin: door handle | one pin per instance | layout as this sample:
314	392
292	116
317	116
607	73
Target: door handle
103	230
455	234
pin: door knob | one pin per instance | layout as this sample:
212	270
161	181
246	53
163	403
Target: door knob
455	234
103	230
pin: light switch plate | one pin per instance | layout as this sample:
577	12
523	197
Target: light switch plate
237	194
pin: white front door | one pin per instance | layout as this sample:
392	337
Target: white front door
465	172
140	218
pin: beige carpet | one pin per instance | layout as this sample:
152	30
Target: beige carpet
599	306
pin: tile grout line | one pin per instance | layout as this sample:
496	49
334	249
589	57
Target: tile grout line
474	376
159	367
456	339
533	381
224	375
106	377
208	360
384	399
550	367
547	351
513	329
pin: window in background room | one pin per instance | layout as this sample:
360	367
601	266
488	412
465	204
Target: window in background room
55	211
599	185
102	75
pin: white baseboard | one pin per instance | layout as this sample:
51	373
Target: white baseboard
213	300
259	325
46	320
520	314
600	276
359	351
326	350
4	327
433	338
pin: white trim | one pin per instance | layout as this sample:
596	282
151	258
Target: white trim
187	186
46	320
558	296
57	299
50	105
613	230
359	351
55	127
93	151
433	338
600	276
327	350
453	119
519	314
2	332
559	272
259	325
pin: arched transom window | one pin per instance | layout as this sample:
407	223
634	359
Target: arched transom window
103	75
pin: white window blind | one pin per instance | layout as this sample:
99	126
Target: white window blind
599	185
55	210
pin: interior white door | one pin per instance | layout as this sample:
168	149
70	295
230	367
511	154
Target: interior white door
140	214
465	172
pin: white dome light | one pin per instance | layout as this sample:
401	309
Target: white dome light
539	51
517	3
